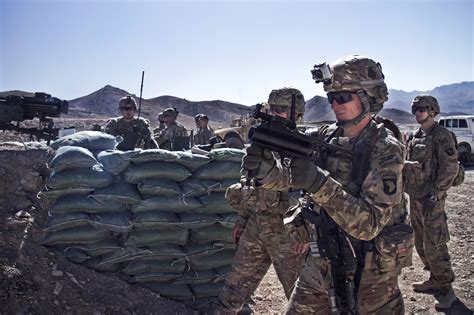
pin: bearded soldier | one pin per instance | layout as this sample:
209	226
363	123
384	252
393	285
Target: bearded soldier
168	136
361	195
430	170
136	132
259	230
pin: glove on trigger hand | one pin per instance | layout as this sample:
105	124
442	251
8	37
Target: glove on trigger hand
305	174
258	161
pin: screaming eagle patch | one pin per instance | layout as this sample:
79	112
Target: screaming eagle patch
389	185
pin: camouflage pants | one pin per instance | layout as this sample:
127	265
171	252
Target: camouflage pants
263	242
378	292
431	236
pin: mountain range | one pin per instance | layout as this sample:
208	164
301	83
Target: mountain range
453	98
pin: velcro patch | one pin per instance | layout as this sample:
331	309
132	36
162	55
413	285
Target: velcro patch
388	160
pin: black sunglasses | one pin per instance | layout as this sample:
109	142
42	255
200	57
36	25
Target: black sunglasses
420	109
340	97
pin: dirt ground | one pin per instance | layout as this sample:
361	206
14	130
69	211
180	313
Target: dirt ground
35	280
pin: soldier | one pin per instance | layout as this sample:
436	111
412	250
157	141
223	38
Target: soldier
363	196
430	170
259	231
161	121
136	132
203	132
167	137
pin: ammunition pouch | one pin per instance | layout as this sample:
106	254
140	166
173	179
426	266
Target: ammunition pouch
394	248
293	222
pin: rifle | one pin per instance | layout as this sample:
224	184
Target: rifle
15	108
281	135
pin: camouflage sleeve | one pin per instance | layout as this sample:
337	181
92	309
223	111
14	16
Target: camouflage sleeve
163	136
447	168
147	133
110	127
365	215
240	199
278	178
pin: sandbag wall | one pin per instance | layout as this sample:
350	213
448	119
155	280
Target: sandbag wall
158	218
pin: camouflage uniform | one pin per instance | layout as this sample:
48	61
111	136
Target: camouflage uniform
430	171
136	133
158	129
168	134
378	205
203	135
263	242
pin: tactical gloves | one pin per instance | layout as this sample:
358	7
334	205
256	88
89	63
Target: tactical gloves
305	174
258	161
429	203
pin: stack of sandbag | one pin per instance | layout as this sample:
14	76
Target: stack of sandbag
158	218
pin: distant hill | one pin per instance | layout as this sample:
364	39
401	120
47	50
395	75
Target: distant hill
454	98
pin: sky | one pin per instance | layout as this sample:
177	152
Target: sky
237	51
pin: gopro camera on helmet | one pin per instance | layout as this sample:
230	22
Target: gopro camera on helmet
321	73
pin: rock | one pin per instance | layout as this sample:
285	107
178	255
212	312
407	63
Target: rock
56	302
57	273
58	287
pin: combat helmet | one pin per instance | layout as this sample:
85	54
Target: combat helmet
282	98
357	74
428	101
173	112
127	101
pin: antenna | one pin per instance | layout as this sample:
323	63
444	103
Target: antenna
141	90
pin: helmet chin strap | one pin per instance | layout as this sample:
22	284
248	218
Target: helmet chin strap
365	110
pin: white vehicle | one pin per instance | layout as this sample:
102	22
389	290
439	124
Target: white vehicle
463	128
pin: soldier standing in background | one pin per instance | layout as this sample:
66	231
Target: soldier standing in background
430	170
203	131
259	232
367	206
161	126
167	137
136	132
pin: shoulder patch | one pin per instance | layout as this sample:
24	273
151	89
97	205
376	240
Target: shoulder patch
388	160
389	185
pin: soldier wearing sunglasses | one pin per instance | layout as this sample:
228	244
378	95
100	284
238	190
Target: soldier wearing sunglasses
429	172
362	195
136	132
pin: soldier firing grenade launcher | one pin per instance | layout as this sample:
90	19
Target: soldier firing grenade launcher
15	108
281	135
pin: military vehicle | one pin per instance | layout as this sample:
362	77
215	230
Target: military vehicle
463	127
236	136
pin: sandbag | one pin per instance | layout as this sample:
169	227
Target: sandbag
153	277
95	263
193	187
162	170
63	221
218	186
195	277
69	157
116	222
161	187
212	233
98	248
153	155
83	203
227	154
174	204
79	178
91	140
204	290
119	192
140	266
192	220
228	220
116	161
175	292
218	170
195	250
191	161
215	260
73	254
144	237
77	235
154	219
214	203
222	273
165	251
124	255
56	193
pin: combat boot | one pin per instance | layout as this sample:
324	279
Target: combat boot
428	286
445	299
